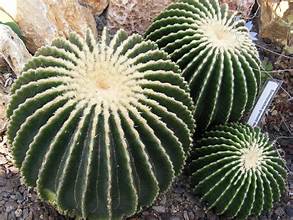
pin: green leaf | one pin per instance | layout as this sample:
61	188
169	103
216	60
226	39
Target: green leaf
7	20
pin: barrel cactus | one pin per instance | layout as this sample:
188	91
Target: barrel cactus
100	128
216	55
237	171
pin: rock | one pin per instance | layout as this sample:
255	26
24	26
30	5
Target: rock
179	189
25	213
18	213
289	211
191	215
11	205
175	217
211	216
277	15
12	49
159	209
163	200
279	211
42	20
134	15
3	181
199	213
185	215
97	6
19	197
3	215
2	159
150	217
244	7
12	196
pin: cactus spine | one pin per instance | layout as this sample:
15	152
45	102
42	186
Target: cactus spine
237	171
100	128
216	55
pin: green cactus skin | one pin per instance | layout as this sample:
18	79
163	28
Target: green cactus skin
100	128
237	171
216	55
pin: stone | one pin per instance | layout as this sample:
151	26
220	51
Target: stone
134	16
163	200
279	211
277	15
10	206
211	216
19	197
150	217
191	215
179	189
2	159
3	181
175	217
12	49
41	21
96	6
289	211
18	213
159	209
3	215
185	215
244	7
25	213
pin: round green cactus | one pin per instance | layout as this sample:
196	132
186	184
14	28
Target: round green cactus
237	171
100	128
216	55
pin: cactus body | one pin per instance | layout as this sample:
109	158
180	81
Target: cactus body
237	171
216	55
100	128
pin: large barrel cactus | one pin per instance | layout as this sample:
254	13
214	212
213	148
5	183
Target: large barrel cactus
100	128
216	55
237	171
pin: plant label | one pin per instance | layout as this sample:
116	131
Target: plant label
270	89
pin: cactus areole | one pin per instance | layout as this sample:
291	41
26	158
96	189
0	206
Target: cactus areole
237	171
216	55
100	128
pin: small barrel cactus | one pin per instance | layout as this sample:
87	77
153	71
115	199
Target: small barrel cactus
216	55
237	171
100	128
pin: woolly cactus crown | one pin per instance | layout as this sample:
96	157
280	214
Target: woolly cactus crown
100	128
237	171
216	55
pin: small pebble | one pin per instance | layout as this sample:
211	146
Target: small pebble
159	209
150	217
175	217
279	211
185	215
289	211
18	213
163	200
3	181
191	215
25	213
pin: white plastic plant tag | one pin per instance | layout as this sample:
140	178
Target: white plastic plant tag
271	88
